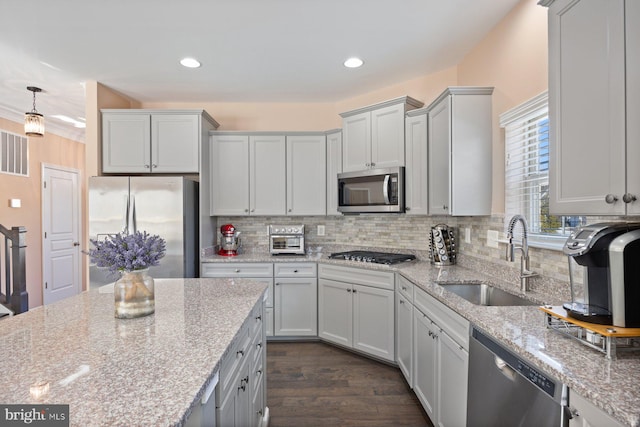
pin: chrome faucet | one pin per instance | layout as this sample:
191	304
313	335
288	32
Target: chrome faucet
525	273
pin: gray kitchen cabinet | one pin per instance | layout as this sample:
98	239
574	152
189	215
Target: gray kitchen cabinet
153	141
356	309
594	103
373	136
459	137
240	400
404	327
296	299
416	177
248	174
306	174
441	360
268	174
586	414
334	167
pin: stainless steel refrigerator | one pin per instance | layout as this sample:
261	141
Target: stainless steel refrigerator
166	206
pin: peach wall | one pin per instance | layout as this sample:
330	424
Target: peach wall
513	58
52	150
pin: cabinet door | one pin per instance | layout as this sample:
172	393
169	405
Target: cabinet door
416	172
404	337
229	175
295	307
632	27
426	362
587	107
452	382
356	143
267	175
306	175
268	321
374	321
439	140
586	414
387	136
334	167
175	143
126	143
335	312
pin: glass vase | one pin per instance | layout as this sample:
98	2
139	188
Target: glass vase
134	294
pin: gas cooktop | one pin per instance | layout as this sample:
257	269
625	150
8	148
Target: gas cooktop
374	257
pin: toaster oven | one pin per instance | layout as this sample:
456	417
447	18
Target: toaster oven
286	240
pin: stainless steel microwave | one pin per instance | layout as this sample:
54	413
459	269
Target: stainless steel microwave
372	190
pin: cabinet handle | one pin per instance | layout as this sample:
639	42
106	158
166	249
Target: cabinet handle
240	352
401	302
348	290
430	333
253	210
154	166
444	207
354	291
289	209
242	387
258	317
407	208
628	198
372	164
367	164
404	288
146	166
237	270
246	210
259	412
610	199
277	284
259	345
295	271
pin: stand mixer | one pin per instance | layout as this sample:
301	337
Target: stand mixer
229	240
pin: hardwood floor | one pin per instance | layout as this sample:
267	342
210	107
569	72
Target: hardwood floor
315	384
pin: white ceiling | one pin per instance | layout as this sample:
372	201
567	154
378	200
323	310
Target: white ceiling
251	50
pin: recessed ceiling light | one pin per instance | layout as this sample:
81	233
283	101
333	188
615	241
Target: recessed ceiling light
353	62
190	62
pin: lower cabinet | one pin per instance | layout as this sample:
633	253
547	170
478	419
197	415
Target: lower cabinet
404	328
356	309
441	355
240	401
586	414
295	299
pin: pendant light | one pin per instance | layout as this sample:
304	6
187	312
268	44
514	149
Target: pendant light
34	121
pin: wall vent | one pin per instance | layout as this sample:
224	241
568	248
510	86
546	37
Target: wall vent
14	154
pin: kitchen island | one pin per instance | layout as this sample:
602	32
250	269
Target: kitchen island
149	371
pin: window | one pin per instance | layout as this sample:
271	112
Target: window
527	173
14	154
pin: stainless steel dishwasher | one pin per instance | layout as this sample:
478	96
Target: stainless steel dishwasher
504	390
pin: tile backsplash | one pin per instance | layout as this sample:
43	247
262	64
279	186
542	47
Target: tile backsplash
408	232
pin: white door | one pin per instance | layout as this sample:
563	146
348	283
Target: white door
425	362
335	312
404	337
296	307
61	233
175	143
416	175
356	142
452	382
268	176
229	175
387	137
306	179
439	151
374	321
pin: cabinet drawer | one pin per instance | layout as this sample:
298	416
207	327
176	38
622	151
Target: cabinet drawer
237	269
236	356
451	322
359	276
405	287
308	269
256	321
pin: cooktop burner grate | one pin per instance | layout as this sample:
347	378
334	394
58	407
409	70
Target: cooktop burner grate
374	257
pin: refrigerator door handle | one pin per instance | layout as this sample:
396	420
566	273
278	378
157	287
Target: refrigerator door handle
125	226
132	225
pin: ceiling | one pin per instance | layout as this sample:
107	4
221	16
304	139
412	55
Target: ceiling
250	50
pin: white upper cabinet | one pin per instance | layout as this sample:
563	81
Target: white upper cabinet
334	167
416	177
594	105
268	174
306	175
153	141
459	141
373	137
229	172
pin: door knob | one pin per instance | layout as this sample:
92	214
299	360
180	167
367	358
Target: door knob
76	244
610	199
628	198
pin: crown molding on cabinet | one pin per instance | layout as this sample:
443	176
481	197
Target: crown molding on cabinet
412	102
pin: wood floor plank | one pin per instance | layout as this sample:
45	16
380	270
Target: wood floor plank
316	384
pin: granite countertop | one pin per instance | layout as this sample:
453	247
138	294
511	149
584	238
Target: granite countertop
611	385
147	371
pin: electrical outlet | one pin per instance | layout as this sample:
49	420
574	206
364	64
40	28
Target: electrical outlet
321	230
492	238
467	235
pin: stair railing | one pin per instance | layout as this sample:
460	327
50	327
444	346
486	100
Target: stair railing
14	278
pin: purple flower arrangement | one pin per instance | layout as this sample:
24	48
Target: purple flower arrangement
128	252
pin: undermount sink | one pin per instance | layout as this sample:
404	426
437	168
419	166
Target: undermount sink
483	294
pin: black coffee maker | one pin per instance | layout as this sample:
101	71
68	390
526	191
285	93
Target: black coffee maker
590	274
